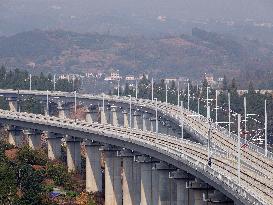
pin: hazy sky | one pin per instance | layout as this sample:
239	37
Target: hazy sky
29	14
260	9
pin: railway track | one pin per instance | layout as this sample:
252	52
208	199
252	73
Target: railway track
222	163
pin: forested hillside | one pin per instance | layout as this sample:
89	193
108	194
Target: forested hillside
168	56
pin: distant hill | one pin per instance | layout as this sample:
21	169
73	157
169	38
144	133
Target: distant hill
185	55
252	18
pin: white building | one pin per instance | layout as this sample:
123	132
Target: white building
130	78
114	76
210	79
170	80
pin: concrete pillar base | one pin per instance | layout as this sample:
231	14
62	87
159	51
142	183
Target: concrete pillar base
13	105
137	120
181	178
113	188
145	122
148	181
73	146
34	139
166	185
125	119
114	120
103	119
54	142
217	197
198	189
131	178
95	115
15	136
93	167
88	117
153	124
62	111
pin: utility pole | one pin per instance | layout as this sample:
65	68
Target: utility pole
118	88
216	107
188	96
103	103
73	82
47	103
75	103
136	88
130	112
229	115
265	128
182	121
178	94
30	82
209	142
239	149
198	106
54	82
208	109
156	117
152	89
208	112
245	120
18	101
166	88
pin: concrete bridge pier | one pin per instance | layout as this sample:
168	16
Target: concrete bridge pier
198	189
62	112
95	115
137	120
93	167
46	112
145	122
131	173
153	124
167	190
54	142
114	117
13	104
169	128
155	185
73	147
181	178
137	180
103	119
162	127
88	117
34	138
113	188
218	198
15	135
147	184
125	119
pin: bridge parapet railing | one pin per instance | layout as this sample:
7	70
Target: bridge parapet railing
225	132
213	174
150	103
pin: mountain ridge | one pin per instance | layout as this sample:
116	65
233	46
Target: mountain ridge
185	55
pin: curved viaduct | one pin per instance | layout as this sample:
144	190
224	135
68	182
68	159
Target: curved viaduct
158	162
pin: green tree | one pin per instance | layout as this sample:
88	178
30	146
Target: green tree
8	184
251	89
32	157
143	88
30	184
225	83
58	172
